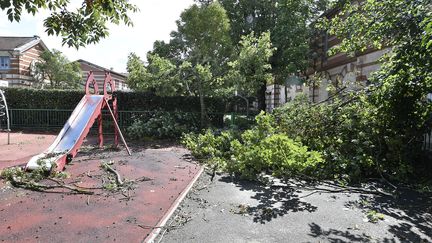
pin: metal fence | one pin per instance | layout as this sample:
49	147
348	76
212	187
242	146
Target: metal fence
49	119
38	118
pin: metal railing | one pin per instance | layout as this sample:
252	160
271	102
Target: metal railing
38	118
51	119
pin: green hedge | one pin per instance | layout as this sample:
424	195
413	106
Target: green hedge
22	98
148	101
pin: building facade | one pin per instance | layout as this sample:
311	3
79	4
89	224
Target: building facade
99	74
17	58
339	70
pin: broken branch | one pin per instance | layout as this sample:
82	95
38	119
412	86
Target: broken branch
110	169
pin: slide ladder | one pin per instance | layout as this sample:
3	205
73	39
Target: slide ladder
69	140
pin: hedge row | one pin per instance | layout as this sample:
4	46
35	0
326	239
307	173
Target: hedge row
22	98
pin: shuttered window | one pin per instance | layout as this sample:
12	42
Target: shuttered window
4	62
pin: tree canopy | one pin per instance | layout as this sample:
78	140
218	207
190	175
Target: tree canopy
82	26
250	67
204	31
191	63
287	21
270	37
60	73
398	91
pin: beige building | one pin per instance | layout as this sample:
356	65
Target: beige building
99	74
17	58
339	71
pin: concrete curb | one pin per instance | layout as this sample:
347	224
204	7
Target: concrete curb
152	236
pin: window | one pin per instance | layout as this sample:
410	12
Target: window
4	62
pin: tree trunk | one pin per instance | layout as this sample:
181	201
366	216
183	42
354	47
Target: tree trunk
50	80
262	98
204	120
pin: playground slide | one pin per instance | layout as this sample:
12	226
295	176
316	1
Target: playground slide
70	138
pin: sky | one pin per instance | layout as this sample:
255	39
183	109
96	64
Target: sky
155	20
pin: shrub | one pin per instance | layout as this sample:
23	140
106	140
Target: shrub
352	134
22	98
208	147
239	122
255	151
163	124
276	154
150	101
347	135
347	138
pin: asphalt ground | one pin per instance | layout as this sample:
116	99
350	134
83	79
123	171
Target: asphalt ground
231	210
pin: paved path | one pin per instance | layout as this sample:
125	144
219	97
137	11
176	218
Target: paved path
240	211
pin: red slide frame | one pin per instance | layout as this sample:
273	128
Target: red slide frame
69	143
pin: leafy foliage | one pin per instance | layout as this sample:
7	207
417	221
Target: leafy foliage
259	150
223	46
159	76
82	26
19	177
347	135
205	33
340	140
163	124
373	216
265	149
398	91
55	68
19	98
192	62
286	20
250	68
210	148
375	130
427	38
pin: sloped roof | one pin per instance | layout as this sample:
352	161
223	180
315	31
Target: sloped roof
16	43
101	68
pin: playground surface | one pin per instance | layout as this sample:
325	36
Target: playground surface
22	147
224	209
162	175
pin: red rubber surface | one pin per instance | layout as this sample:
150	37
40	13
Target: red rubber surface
23	146
57	217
